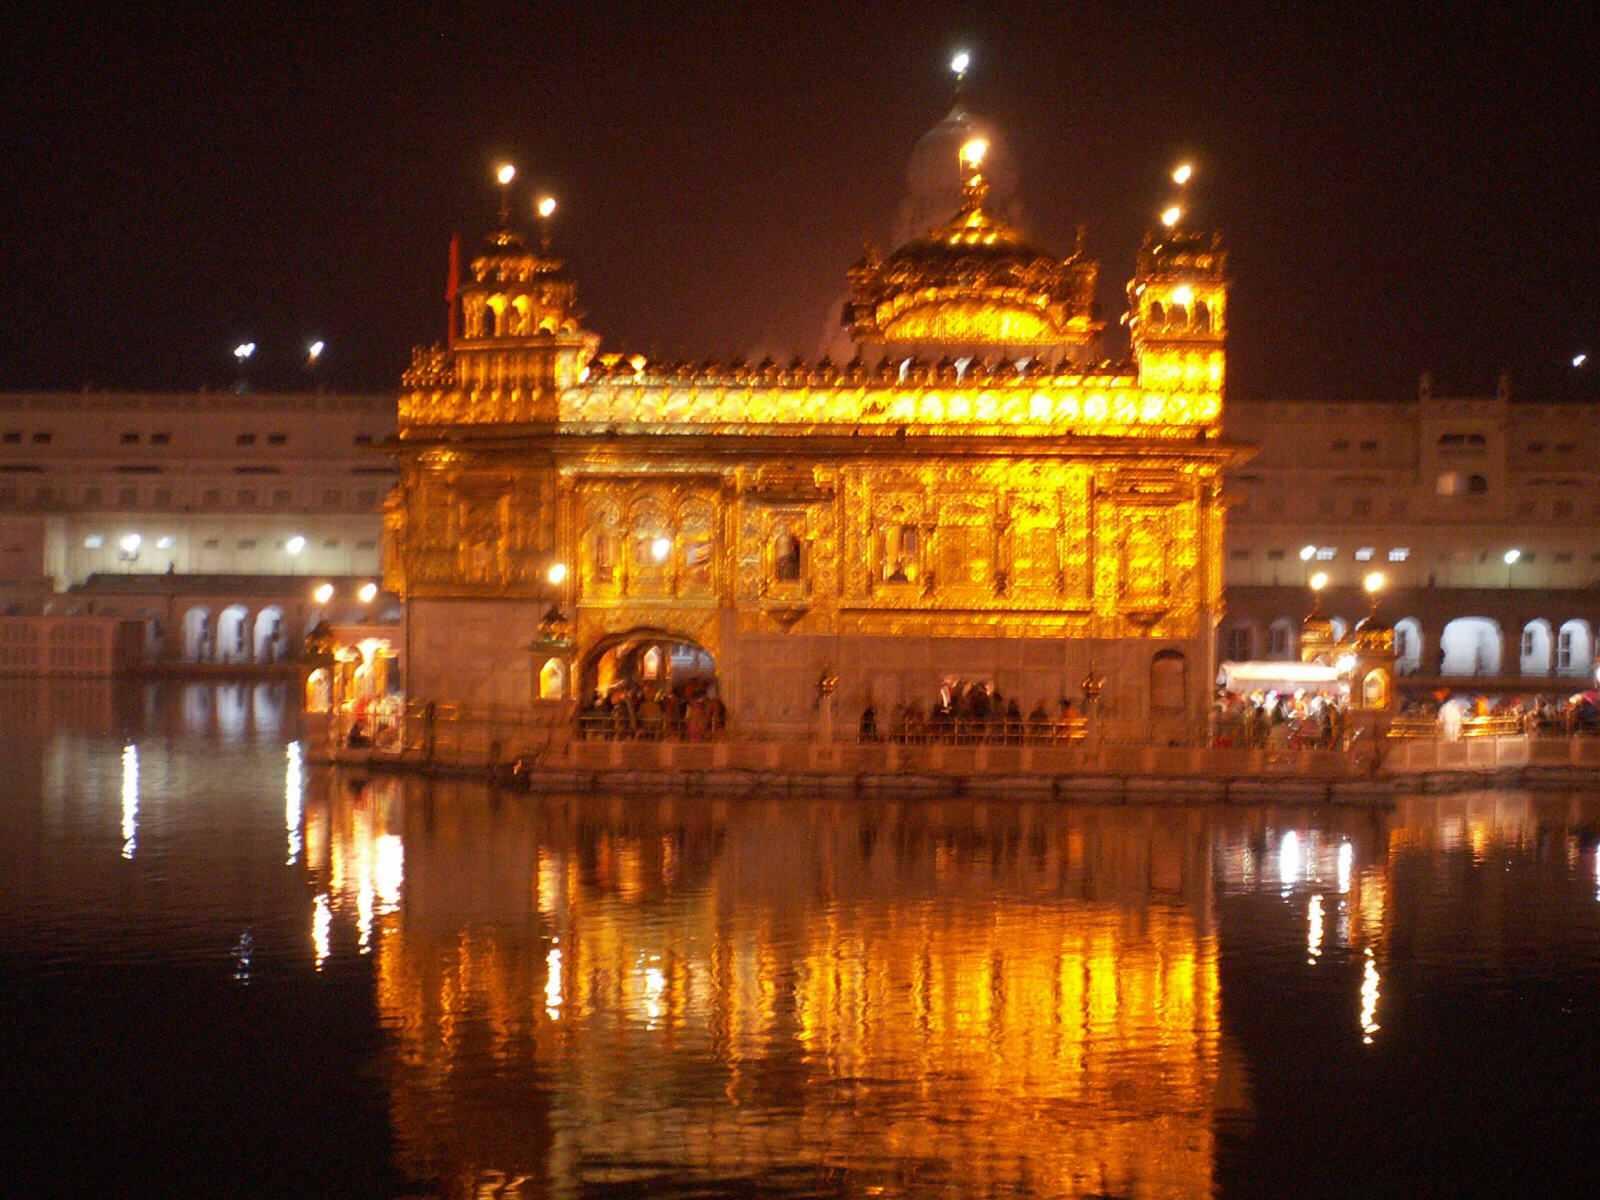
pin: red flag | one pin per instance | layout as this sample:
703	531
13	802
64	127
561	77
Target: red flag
452	286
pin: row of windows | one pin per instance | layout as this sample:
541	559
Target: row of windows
1401	554
162	437
97	541
365	500
1451	444
1325	554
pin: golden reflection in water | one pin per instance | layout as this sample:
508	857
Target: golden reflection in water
354	854
130	800
293	785
980	997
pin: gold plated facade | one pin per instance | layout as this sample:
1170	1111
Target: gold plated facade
972	494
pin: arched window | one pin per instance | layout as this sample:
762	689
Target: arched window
1202	316
603	555
1157	315
1580	642
553	680
900	547
1168	681
319	691
786	557
1375	690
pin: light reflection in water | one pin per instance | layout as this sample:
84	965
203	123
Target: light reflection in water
292	791
1369	998
321	928
758	988
956	998
1289	862
552	981
809	997
130	799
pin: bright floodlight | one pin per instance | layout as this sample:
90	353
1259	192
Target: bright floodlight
1182	174
972	151
1307	553
314	351
1373	582
130	543
547	205
1512	556
295	544
322	593
164	542
1170	217
961	62
1579	359
244	350
367	592
506	174
1182	294
1319	581
660	548
557	573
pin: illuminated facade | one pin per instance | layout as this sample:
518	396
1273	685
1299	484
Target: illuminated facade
972	495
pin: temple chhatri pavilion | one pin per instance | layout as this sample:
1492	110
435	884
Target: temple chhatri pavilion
970	496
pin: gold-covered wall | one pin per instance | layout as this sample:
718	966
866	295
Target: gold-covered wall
988	505
1078	549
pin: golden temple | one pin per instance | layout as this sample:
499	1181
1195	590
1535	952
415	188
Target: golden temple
973	496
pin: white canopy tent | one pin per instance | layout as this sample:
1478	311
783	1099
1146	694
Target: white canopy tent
1245	677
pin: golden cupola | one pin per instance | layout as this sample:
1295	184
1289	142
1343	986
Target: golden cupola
517	334
1316	634
975	285
1177	304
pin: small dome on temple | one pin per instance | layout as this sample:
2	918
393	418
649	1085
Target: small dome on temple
934	182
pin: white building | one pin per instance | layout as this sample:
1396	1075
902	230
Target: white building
1480	513
211	515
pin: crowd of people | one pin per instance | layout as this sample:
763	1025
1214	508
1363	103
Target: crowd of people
1279	721
1273	721
691	712
971	712
1456	717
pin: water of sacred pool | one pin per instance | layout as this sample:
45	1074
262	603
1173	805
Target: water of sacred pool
223	972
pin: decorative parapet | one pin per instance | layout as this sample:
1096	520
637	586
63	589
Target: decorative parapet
929	398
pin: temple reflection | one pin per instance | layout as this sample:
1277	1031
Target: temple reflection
974	996
890	998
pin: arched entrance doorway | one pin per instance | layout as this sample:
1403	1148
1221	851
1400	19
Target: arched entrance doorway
1470	646
653	670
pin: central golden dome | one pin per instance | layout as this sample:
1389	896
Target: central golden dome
973	284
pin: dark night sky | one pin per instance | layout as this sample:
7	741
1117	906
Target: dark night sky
1400	188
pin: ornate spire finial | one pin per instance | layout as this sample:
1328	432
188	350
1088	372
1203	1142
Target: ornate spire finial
1181	174
505	175
545	209
959	65
974	187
